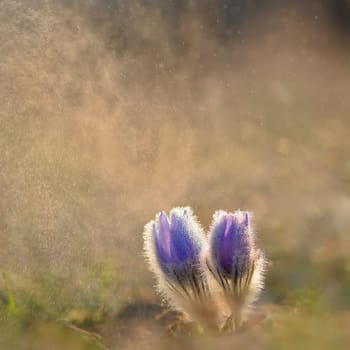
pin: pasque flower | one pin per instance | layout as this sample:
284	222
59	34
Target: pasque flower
234	260
174	248
178	243
213	279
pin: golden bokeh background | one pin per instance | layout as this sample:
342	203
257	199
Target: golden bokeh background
111	111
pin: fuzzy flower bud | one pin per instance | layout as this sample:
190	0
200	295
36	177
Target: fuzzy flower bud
177	242
234	260
174	249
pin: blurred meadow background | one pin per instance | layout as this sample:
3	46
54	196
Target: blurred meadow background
111	111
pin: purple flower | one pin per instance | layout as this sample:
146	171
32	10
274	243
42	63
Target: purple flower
176	240
235	262
184	260
231	242
173	247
